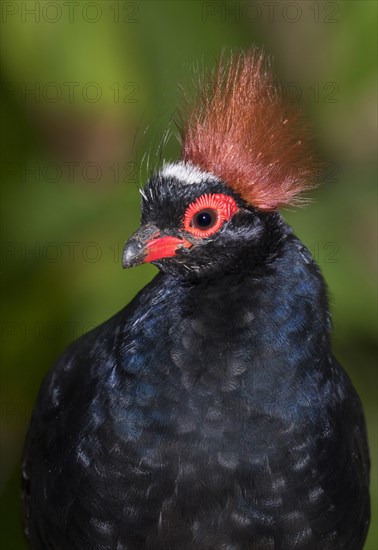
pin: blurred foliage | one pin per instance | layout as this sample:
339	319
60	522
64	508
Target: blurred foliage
88	90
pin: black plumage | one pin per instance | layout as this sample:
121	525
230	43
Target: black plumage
209	413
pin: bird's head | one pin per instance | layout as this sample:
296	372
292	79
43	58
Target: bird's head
194	224
245	154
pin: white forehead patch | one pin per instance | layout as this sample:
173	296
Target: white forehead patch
186	172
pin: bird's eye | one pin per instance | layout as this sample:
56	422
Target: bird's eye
205	219
206	215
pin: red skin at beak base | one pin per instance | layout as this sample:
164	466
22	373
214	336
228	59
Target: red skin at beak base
164	247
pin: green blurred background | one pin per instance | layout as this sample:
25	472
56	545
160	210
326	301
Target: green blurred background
88	89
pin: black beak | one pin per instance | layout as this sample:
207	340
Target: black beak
146	245
135	249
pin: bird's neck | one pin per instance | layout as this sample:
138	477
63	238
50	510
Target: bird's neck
280	308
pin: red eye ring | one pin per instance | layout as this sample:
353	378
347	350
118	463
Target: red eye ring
223	206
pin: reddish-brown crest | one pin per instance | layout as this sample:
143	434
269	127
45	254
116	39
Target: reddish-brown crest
241	129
